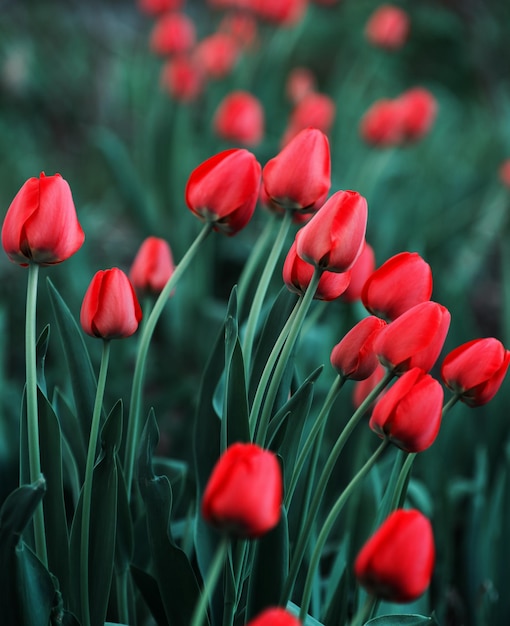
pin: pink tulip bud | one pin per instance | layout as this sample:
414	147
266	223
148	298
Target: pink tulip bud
152	267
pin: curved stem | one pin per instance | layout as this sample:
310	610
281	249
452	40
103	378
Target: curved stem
34	455
364	613
87	486
210	583
134	425
328	525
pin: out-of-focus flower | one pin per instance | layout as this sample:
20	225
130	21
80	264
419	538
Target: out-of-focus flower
476	369
409	413
152	266
415	339
274	617
388	27
240	25
360	271
243	496
297	275
504	173
316	110
240	118
300	82
381	125
110	309
353	357
217	54
332	240
281	12
363	387
397	561
224	190
41	225
419	110
173	33
181	77
402	282
155	7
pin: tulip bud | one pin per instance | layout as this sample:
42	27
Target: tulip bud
110	309
353	357
360	271
297	275
475	370
155	7
415	339
314	109
333	239
299	177
173	33
381	125
397	562
418	110
300	82
402	282
388	27
181	77
244	494
504	172
409	413
41	225
217	54
152	267
224	190
281	12
274	617
239	118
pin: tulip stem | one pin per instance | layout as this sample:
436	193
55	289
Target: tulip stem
34	456
134	425
364	613
87	486
210	582
328	525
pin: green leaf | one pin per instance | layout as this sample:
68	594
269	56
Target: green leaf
236	412
41	351
148	587
400	620
309	620
71	431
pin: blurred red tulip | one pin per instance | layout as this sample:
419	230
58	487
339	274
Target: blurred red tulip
418	109
281	12
242	26
381	125
360	271
388	27
504	173
300	82
240	118
152	266
155	7
274	617
182	79
314	110
173	33
217	54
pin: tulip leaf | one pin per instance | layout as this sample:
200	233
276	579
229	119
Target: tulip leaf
148	587
400	620
309	620
236	413
41	351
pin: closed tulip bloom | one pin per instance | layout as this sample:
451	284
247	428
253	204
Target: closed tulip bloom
217	54
281	12
415	339
173	33
298	178
152	267
388	27
381	125
297	275
402	282
504	172
181	78
418	109
360	271
155	7
476	369
333	239
239	118
409	413
243	497
353	357
41	225
316	110
274	617
300	82
110	309
397	561
224	190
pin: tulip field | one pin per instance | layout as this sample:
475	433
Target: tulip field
254	313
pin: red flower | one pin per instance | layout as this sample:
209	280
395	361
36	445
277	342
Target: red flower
314	109
402	282
110	309
173	33
409	413
244	494
297	275
281	12
418	109
217	54
415	339
299	177
388	27
181	77
153	266
397	562
154	7
241	26
41	224
475	370
353	357
504	173
333	239
224	190
240	118
363	387
360	271
381	125
274	617
300	82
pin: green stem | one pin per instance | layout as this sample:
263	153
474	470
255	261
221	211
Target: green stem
87	486
328	525
233	591
210	583
134	421
322	484
263	284
364	613
34	456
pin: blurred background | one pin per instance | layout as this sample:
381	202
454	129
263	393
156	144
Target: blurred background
85	91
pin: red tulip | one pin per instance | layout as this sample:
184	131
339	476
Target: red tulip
217	54
402	282
504	173
274	617
353	357
155	7
397	562
418	110
244	494
173	33
241	26
41	225
281	12
415	339
181	77
297	275
388	27
153	266
110	309
409	413
364	387
360	271
381	125
224	190
475	370
316	110
300	82
299	177
240	118
333	239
